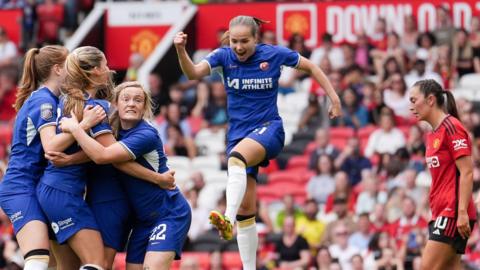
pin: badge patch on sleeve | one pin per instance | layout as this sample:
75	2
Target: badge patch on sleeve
46	111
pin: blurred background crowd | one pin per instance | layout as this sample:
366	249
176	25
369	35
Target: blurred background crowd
349	193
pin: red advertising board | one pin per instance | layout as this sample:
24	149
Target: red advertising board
343	19
11	21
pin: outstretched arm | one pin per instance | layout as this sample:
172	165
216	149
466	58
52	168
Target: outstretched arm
306	65
192	71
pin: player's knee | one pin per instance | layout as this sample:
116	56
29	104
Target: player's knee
245	220
37	259
236	159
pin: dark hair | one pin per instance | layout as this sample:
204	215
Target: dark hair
431	87
252	22
428	35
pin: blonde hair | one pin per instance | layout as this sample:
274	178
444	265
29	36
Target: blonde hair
148	103
80	76
37	68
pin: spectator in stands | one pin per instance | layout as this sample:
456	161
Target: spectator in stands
408	222
29	22
340	248
444	28
216	262
427	50
395	96
8	49
215	112
177	94
393	49
199	214
378	218
135	61
379	35
362	52
389	260
386	139
50	16
342	192
415	144
354	78
419	72
390	67
371	194
292	249
289	209
322	184
363	235
327	49
409	37
352	162
357	262
269	37
340	214
173	117
296	42
8	90
322	140
323	259
159	97
462	53
177	144
309	227
354	114
348	56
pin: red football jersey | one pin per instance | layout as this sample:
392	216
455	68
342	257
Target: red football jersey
447	143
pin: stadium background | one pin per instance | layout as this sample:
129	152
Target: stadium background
356	186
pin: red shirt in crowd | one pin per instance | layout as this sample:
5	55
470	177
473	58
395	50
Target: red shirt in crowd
7	112
447	143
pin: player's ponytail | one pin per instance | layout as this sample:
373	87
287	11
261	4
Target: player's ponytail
37	68
431	87
225	39
451	104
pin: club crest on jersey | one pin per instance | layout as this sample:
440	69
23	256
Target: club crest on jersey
436	143
46	111
433	162
264	66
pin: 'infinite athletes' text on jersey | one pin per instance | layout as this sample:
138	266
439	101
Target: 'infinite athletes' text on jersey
251	85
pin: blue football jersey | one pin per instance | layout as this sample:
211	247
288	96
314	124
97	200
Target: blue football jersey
143	143
27	161
73	178
252	85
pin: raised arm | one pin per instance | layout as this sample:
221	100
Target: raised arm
191	70
307	66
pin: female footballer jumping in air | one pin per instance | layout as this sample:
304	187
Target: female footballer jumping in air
34	132
255	135
449	158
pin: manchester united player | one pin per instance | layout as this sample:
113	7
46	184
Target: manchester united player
448	157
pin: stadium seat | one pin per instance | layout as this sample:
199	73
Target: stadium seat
366	131
285	176
310	148
470	81
203	259
231	260
339	142
179	163
203	163
265	194
341	132
298	162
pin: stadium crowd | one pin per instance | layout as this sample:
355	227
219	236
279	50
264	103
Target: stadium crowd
345	194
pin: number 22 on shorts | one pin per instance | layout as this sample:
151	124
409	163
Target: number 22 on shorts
158	232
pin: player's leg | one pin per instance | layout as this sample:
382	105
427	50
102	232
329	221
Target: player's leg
88	245
247	152
247	237
109	257
33	242
161	260
438	256
65	257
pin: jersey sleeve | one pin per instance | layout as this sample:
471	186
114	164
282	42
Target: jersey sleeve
459	143
290	58
215	59
43	112
104	126
140	142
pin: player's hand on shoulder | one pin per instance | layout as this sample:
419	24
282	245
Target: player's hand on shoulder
180	40
167	180
58	159
68	124
92	116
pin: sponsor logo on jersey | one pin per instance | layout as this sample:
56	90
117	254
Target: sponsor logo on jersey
46	111
16	216
459	144
433	162
55	227
250	84
437	232
436	143
264	66
62	224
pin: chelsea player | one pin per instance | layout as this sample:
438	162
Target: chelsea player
255	135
